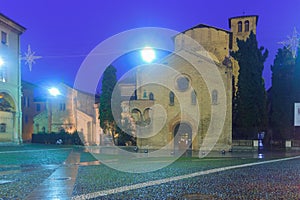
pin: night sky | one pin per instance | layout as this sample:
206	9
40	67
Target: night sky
63	32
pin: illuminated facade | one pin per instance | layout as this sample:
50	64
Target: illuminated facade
10	81
187	103
70	111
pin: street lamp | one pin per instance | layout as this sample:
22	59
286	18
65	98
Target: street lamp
148	54
54	91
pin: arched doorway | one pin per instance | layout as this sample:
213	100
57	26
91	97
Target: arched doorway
7	117
182	137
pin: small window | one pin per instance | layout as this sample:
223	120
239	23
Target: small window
240	26
214	97
3	37
151	96
62	107
37	128
23	101
194	97
145	94
2	128
27	102
247	26
38	107
171	96
26	119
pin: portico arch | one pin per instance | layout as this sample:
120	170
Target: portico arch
8	118
182	133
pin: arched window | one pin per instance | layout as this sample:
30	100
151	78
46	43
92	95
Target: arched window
2	128
214	98
240	26
247	26
171	96
145	94
194	97
151	96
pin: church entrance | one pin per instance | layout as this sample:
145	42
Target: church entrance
182	138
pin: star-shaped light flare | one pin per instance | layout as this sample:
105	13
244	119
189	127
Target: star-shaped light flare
30	58
292	43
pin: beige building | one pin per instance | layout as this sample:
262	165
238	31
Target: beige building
189	104
10	81
70	111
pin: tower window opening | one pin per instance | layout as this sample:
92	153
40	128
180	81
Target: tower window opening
240	26
247	26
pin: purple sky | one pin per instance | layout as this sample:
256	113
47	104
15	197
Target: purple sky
63	31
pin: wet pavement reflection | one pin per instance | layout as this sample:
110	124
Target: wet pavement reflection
60	184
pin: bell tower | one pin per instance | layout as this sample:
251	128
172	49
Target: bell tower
240	28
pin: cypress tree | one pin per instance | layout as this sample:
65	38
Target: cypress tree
106	117
282	95
251	115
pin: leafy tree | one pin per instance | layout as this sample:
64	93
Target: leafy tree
282	100
106	117
250	109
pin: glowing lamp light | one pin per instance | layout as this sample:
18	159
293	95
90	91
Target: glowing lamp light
54	91
1	62
148	54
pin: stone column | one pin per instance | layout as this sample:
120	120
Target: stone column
17	127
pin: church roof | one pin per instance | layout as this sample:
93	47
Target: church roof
206	26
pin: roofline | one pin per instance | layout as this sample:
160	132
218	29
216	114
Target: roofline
28	83
21	29
206	26
243	16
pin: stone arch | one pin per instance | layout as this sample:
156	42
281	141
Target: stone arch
7	102
186	119
147	116
136	114
183	135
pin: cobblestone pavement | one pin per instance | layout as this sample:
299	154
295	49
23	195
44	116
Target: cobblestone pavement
69	173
